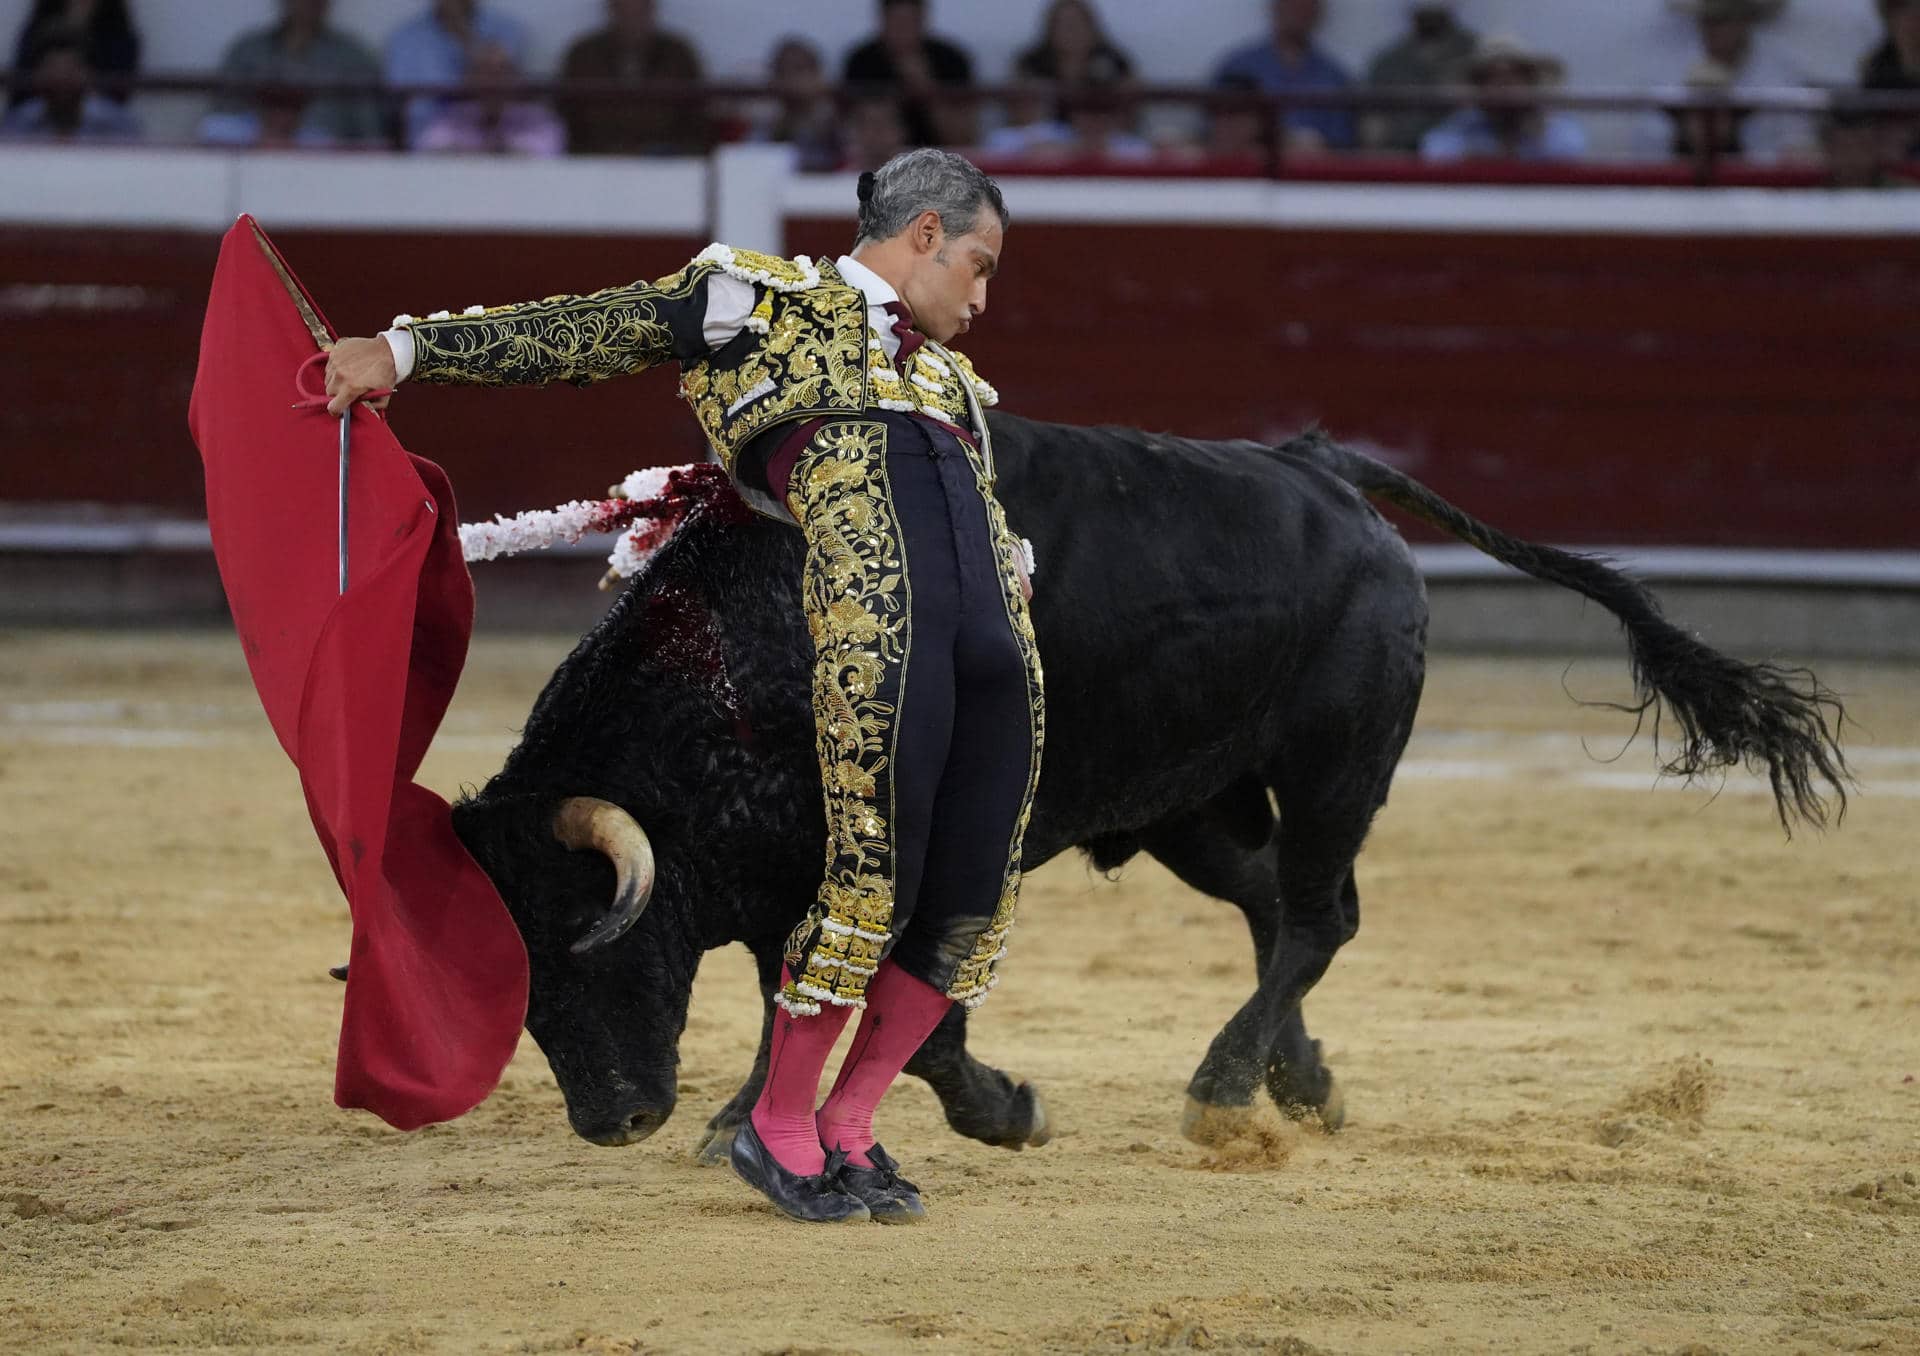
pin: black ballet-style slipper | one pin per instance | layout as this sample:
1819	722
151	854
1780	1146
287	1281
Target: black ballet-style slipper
889	1197
819	1199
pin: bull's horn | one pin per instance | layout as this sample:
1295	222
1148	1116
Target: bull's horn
584	822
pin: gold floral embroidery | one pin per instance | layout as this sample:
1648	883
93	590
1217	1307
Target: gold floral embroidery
858	607
809	363
563	338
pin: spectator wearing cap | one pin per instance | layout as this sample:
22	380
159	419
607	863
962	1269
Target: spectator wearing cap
1727	54
1505	125
104	29
302	48
485	117
1287	60
636	52
906	61
1435	50
62	103
802	113
1894	66
436	48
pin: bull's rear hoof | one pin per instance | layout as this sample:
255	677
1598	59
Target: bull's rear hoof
1039	1128
1329	1116
716	1146
1211	1125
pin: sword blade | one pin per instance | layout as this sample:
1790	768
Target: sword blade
346	440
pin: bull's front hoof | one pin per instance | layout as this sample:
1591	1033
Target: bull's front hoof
716	1146
1210	1125
1308	1094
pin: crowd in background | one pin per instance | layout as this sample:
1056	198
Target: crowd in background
905	85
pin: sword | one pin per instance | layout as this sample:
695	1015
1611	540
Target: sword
323	339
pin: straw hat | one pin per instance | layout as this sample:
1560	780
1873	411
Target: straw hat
1505	47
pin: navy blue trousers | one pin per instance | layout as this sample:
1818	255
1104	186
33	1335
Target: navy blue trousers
928	707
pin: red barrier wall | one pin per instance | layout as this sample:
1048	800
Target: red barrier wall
1603	389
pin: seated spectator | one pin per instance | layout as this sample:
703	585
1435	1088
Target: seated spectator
803	114
1894	65
1712	132
301	48
634	51
1074	50
1505	125
488	118
1860	147
1288	60
1238	136
1726	36
434	50
876	132
1033	127
61	103
1434	51
103	28
903	58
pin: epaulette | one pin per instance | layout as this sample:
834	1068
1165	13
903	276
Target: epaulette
986	394
797	274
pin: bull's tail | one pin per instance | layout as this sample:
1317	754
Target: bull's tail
1782	720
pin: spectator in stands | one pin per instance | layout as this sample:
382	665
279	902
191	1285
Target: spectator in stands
634	50
103	29
487	118
1064	107
62	104
1716	131
1860	147
803	114
435	49
1287	60
1435	50
1727	37
1238	136
1074	50
302	47
1894	65
876	131
1505	124
903	58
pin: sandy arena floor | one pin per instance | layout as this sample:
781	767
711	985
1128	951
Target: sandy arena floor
1626	1072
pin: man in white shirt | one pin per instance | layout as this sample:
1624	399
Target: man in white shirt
827	392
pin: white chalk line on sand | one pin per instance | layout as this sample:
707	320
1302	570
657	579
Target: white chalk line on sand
1552	757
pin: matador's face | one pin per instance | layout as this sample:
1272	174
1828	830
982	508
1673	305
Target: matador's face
946	287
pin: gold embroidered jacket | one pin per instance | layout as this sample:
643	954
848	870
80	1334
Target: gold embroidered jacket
805	351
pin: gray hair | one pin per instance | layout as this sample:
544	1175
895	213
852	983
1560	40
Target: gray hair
926	180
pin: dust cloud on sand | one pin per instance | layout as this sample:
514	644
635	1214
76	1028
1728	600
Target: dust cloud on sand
1624	1072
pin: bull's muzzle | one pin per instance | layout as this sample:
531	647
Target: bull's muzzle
584	822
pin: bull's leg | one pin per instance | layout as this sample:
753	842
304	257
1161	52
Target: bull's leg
1317	846
980	1101
1226	849
716	1142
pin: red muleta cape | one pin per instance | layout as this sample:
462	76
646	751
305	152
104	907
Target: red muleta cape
355	687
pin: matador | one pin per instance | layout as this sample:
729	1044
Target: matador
829	394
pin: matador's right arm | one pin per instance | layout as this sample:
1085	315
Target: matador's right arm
579	339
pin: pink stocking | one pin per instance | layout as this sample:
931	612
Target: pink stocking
784	1114
901	1013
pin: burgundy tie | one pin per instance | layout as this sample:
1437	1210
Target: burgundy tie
910	338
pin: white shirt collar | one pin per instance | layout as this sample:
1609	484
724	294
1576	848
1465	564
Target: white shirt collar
877	290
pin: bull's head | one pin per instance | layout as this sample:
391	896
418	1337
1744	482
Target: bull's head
609	977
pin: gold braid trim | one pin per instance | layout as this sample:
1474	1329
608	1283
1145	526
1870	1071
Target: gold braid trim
563	338
977	975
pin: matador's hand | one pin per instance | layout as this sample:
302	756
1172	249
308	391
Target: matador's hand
1020	567
356	366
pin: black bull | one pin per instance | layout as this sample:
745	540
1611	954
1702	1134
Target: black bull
1218	621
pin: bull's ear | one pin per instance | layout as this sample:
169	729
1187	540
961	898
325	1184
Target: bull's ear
584	822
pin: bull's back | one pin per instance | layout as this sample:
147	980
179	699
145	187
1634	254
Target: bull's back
1183	590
